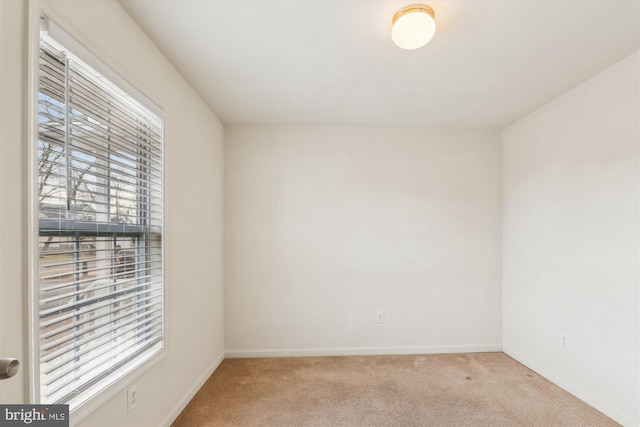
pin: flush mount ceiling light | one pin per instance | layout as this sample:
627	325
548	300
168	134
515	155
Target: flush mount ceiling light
413	26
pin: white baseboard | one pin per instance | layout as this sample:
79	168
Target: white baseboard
572	388
177	409
363	351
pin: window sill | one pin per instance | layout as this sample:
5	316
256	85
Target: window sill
90	400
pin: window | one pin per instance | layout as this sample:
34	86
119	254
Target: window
99	187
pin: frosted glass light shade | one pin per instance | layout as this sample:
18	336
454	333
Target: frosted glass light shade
413	26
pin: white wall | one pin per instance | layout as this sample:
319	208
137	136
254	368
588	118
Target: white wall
324	226
571	198
193	198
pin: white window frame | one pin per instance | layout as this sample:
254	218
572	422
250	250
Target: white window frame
102	391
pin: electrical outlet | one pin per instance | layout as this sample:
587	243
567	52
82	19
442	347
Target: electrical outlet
132	398
380	317
564	341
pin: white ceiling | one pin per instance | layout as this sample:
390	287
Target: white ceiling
329	62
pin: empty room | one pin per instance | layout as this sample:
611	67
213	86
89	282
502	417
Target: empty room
319	213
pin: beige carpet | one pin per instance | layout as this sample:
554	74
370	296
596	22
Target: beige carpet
479	389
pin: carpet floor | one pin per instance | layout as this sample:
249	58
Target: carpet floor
477	389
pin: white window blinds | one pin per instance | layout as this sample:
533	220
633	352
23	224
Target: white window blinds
100	282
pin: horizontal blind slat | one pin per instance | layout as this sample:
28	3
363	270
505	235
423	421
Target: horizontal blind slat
77	324
71	310
145	343
129	325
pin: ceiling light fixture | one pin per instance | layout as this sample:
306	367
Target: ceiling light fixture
413	26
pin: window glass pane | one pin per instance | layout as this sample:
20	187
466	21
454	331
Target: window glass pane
100	227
